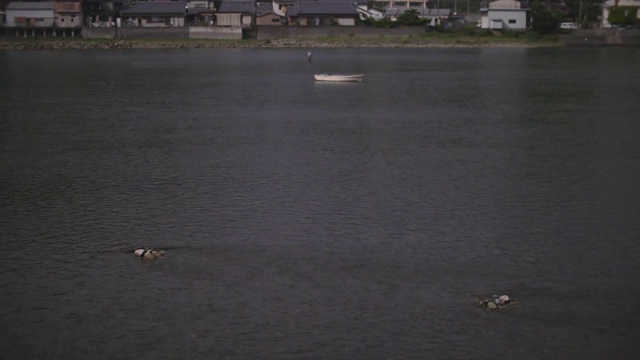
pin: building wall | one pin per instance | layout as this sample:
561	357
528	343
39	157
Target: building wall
158	22
324	20
346	21
247	21
201	5
233	20
518	19
30	18
68	15
68	21
268	20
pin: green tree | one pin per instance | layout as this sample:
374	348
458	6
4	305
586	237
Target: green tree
409	15
543	20
623	15
583	11
411	18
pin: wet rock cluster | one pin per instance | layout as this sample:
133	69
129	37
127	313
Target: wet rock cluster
148	254
494	302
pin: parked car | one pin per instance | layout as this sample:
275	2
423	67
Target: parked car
569	26
128	23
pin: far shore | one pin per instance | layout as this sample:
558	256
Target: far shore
426	41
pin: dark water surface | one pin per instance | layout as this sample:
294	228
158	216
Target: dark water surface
320	221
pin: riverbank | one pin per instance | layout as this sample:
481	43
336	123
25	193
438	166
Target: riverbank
424	41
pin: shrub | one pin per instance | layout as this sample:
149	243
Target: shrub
623	15
385	23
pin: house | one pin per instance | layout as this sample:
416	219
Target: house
323	13
436	16
68	14
503	15
101	13
200	12
233	13
154	14
269	13
30	15
390	4
627	5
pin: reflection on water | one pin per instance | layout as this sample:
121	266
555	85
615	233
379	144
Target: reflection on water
313	220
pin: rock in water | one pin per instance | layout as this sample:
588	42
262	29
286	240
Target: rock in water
156	253
491	305
148	254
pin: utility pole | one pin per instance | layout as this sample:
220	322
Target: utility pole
579	11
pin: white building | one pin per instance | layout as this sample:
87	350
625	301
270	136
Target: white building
30	15
503	15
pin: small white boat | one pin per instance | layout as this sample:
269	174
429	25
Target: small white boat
339	78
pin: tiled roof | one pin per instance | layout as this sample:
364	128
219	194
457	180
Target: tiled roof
323	8
231	6
200	11
264	8
156	7
19	5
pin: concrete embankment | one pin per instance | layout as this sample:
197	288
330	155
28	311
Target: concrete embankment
602	37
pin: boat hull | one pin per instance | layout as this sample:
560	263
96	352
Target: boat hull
339	78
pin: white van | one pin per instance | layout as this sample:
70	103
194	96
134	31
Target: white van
375	14
569	25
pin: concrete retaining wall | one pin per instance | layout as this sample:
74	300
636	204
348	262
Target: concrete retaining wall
152	33
600	37
197	32
294	32
98	33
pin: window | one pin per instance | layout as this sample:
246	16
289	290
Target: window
512	21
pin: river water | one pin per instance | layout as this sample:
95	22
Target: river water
312	220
